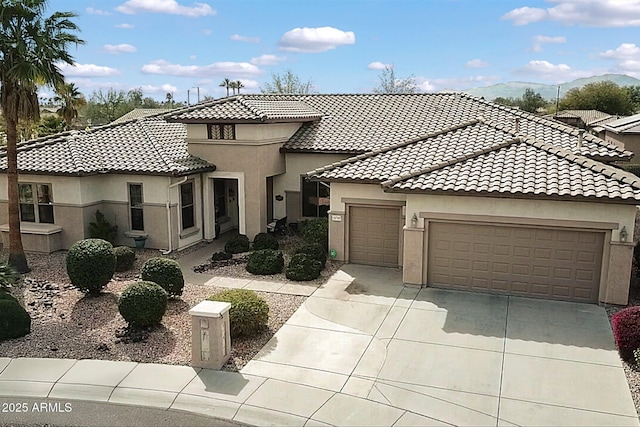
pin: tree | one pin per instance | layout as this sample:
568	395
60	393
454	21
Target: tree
531	101
226	83
70	100
390	84
633	92
169	100
105	107
287	83
233	86
239	86
31	46
604	96
51	124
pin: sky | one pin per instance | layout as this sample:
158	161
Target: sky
177	46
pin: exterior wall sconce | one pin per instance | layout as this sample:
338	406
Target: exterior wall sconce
623	234
414	221
279	198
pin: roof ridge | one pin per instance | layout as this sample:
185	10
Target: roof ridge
255	110
412	174
74	152
157	146
385	149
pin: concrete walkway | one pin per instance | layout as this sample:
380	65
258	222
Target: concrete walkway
365	350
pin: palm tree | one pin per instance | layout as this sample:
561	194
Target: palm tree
226	83
233	86
239	86
31	46
70	100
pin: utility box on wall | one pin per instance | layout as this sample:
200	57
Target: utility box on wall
211	340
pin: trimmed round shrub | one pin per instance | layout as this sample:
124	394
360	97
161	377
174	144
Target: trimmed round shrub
4	295
125	256
265	241
237	244
316	231
166	273
221	256
14	320
266	262
315	251
8	276
303	267
143	304
626	332
248	314
90	265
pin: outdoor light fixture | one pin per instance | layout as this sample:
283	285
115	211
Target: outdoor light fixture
623	234
414	221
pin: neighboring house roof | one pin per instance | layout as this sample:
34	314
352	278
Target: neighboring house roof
139	113
481	157
144	146
629	124
588	117
246	109
358	123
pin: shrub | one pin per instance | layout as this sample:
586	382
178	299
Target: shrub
221	256
125	256
166	273
237	244
14	320
91	264
303	267
248	314
265	241
143	304
626	331
102	229
4	295
8	276
316	231
315	251
265	261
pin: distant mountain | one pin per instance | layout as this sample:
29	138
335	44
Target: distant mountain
549	92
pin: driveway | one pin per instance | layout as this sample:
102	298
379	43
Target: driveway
365	350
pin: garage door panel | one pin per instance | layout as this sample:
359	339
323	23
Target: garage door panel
549	263
374	235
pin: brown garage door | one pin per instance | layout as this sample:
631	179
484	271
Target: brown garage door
374	235
545	263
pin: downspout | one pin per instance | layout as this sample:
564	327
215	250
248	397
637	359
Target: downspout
175	184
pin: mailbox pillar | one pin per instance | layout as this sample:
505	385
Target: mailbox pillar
211	342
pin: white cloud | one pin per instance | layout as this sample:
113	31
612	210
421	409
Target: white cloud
87	70
165	6
624	51
554	72
207	32
377	65
119	48
267	60
125	26
236	69
159	89
246	39
589	13
192	57
476	63
92	11
539	40
314	40
454	83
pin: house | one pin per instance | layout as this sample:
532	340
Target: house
590	120
625	133
457	191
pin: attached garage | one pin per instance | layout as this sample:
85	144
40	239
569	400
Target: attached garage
374	235
515	260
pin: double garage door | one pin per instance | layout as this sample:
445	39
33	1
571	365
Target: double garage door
537	262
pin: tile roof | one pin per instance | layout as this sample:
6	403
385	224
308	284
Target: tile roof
629	124
244	108
484	157
588	117
138	113
144	146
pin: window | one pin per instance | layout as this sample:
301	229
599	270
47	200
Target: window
222	131
187	207
135	207
36	203
315	198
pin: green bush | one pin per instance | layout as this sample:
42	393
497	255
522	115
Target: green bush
315	251
265	261
91	264
265	241
221	256
166	273
102	229
125	257
4	295
237	244
303	267
316	231
143	304
248	314
8	276
14	320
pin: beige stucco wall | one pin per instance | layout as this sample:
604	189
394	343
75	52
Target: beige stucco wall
250	132
630	142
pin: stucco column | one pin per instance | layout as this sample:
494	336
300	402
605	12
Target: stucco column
337	231
619	273
413	251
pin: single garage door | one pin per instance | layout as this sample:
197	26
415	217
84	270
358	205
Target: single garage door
374	235
537	262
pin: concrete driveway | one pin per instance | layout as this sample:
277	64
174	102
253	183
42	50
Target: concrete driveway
364	350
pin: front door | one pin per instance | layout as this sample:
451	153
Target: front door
225	198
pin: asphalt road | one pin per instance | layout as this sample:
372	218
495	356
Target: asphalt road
74	413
